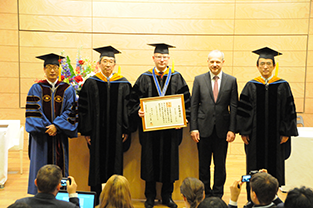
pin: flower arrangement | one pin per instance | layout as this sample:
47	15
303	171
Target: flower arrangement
84	69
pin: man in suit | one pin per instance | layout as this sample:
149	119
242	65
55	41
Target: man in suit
263	190
213	120
48	182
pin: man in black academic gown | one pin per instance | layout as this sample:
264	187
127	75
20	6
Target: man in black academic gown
159	154
103	119
267	119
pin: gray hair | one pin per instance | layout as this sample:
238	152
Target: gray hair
220	53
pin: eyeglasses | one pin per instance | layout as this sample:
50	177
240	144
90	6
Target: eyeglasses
108	61
50	66
267	63
160	57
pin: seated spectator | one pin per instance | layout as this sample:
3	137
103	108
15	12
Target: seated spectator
212	202
263	189
48	182
116	193
192	190
299	198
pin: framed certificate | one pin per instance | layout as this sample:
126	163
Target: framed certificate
164	112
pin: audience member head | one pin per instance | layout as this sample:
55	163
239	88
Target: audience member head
212	202
299	198
48	179
192	190
263	188
19	205
116	193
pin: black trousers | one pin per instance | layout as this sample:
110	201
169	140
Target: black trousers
216	147
166	191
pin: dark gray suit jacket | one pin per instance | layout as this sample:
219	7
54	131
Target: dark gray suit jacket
205	112
45	200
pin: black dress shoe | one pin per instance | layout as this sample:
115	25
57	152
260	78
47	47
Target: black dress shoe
149	203
170	203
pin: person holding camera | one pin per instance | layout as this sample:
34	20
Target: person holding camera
48	182
263	189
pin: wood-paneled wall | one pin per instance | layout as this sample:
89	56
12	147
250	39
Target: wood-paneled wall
33	27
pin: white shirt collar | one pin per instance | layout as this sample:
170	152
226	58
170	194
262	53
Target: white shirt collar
51	83
219	75
268	78
108	78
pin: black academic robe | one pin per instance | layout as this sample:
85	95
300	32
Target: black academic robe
159	154
103	115
266	112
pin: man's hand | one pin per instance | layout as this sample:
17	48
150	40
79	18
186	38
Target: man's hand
88	140
51	130
195	136
245	139
141	113
71	188
283	139
124	137
235	189
230	136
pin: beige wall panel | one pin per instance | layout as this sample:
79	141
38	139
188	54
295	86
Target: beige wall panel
9	85
292	74
275	26
9	69
310	40
182	42
271	1
55	23
144	57
8	21
8	53
55	40
23	99
310	58
309	74
26	84
9	100
8	6
277	10
13	114
163	26
308	119
168	10
251	43
288	59
28	54
297	90
309	91
311	25
56	7
299	103
308	105
9	37
31	70
236	148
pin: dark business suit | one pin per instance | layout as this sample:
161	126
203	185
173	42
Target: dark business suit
45	200
213	120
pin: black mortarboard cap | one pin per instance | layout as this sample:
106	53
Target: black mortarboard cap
51	58
267	53
108	51
161	47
